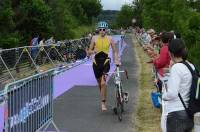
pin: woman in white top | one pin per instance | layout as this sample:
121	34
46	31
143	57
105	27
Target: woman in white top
179	81
42	43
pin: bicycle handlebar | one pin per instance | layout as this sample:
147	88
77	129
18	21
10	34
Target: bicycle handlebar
117	65
125	71
116	72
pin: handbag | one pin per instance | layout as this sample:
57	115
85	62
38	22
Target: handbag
156	99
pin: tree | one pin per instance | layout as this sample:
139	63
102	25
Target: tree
180	15
35	17
20	19
63	20
92	8
137	13
8	35
157	14
195	5
77	11
109	16
125	16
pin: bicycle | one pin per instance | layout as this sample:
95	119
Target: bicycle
121	96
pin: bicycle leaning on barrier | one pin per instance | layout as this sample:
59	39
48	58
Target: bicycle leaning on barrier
121	97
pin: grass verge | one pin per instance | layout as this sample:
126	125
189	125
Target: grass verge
147	117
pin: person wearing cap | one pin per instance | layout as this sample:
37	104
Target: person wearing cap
154	49
149	39
99	46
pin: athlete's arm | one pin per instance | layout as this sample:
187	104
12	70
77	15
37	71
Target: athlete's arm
115	52
91	48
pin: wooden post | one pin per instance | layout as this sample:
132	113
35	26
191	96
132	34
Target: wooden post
197	122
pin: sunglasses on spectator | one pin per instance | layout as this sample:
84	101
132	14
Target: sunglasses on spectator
102	29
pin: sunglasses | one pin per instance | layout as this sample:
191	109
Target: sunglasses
102	29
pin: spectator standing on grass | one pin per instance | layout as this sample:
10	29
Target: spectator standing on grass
179	81
41	44
154	50
50	41
34	42
90	36
146	39
163	60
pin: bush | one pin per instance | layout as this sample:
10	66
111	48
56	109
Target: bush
194	54
193	38
9	41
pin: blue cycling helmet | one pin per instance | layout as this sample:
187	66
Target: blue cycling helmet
102	24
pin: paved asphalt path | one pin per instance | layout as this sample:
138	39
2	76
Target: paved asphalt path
78	109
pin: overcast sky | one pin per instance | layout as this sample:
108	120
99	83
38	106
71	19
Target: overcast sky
114	4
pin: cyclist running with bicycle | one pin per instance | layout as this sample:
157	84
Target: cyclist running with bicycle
100	45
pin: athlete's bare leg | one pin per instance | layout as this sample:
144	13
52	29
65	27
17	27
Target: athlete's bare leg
99	83
103	93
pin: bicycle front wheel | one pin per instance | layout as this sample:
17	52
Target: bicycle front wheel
120	104
119	110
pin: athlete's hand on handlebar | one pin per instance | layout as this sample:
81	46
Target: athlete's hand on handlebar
118	64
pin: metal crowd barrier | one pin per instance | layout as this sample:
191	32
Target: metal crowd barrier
21	62
197	122
29	104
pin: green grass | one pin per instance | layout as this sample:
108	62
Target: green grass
147	117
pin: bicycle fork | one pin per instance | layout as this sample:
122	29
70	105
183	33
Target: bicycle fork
120	94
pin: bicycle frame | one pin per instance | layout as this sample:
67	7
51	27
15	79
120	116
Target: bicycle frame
118	83
119	93
117	78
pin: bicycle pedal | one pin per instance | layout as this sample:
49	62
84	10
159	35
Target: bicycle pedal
115	110
126	97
